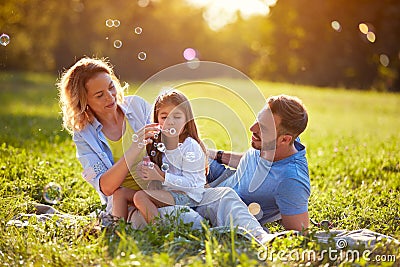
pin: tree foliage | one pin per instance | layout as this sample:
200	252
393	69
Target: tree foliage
297	42
307	49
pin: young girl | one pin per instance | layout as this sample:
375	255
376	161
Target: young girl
179	157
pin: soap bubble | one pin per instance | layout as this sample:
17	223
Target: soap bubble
164	167
135	138
193	64
52	193
151	165
143	3
109	23
189	53
113	23
336	26
153	153
161	147
172	131
142	55
371	37
138	30
4	39
255	210
117	43
78	6
384	60
140	145
363	28
155	135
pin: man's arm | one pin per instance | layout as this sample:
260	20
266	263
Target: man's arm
292	199
298	222
228	158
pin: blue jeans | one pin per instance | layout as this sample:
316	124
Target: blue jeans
218	173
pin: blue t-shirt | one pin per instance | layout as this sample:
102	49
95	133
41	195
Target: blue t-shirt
279	187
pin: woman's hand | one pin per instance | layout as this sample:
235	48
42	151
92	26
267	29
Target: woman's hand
151	130
146	134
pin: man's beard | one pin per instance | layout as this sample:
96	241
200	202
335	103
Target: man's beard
265	146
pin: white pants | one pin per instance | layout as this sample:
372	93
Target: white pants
220	205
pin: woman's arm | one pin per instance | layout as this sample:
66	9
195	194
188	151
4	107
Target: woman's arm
113	177
92	164
97	168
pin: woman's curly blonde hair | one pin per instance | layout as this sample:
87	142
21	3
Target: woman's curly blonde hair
73	92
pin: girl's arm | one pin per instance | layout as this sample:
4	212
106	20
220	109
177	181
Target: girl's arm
192	172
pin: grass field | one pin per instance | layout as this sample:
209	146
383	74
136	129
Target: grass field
353	149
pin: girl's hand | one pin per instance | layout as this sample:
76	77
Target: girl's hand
154	185
150	172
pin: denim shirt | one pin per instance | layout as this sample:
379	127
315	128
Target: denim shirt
93	151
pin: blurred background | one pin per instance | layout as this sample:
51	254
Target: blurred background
336	43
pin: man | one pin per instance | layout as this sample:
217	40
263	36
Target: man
274	172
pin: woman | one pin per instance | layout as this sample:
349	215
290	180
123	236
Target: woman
99	116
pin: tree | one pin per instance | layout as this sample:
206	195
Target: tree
310	42
305	47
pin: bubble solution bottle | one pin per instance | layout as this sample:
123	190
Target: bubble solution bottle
146	160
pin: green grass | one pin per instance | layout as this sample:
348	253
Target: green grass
353	150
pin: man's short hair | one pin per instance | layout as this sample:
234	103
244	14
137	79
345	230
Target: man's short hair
293	114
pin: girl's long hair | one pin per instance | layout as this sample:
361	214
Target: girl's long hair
177	99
